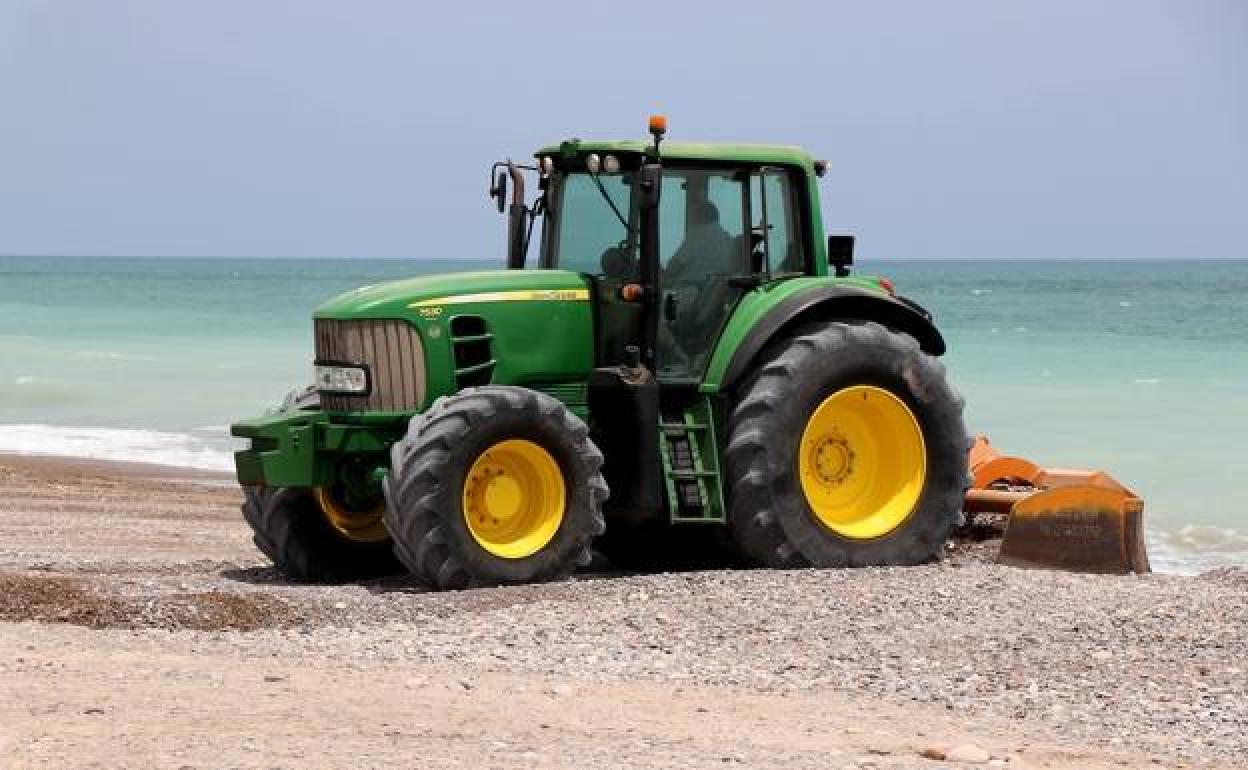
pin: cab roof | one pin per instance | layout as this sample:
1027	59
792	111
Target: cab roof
742	153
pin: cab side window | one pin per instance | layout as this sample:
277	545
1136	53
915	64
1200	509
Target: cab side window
772	195
700	210
702	247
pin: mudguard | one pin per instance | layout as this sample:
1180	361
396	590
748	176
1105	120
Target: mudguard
821	301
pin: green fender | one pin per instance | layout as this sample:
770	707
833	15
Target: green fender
771	310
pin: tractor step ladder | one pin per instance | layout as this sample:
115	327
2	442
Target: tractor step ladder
690	457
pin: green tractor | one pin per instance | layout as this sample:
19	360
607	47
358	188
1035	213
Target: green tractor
689	361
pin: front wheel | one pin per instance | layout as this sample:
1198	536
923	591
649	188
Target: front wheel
314	535
847	448
322	534
494	485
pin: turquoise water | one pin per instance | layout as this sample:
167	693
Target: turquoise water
1140	368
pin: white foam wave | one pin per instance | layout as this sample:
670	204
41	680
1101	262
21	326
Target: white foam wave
1196	548
112	355
1209	537
129	445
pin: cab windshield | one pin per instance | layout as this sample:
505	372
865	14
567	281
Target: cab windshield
583	231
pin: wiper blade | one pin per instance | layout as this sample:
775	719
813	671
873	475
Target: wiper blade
607	197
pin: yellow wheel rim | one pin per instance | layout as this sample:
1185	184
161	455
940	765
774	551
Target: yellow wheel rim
361	526
862	462
514	499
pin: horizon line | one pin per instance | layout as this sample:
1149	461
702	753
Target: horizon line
502	260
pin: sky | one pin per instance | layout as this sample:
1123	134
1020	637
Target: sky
977	130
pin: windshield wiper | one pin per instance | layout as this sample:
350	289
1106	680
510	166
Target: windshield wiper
607	197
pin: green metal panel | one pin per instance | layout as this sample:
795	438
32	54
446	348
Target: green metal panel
573	395
393	298
756	304
539	322
283	450
299	448
816	224
541	342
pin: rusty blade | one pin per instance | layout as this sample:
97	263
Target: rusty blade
1080	528
1077	520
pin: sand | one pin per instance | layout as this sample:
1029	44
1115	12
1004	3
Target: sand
139	627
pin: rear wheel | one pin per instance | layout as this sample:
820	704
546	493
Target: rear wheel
494	485
847	448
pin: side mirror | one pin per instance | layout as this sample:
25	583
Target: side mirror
841	253
499	191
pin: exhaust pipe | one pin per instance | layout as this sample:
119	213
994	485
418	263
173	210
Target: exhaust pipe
517	221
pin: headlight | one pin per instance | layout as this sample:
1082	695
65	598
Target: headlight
332	378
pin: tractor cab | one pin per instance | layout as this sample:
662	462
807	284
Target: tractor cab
721	220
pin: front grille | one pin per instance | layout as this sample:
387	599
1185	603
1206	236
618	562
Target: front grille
391	350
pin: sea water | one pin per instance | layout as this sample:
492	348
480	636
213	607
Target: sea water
1138	368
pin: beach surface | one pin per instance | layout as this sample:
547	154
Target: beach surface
140	627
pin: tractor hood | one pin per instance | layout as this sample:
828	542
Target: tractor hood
400	299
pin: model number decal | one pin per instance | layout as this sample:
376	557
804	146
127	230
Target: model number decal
521	295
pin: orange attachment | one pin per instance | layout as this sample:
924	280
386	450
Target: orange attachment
658	124
1079	520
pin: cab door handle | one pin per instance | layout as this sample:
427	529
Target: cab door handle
669	305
